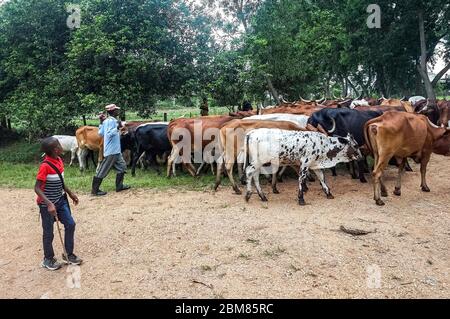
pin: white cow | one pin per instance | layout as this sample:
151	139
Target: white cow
414	99
309	150
69	144
356	103
300	120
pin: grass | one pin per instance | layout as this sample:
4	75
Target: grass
19	163
159	116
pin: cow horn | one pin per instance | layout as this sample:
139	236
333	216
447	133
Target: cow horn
321	100
432	124
403	98
333	128
303	100
383	98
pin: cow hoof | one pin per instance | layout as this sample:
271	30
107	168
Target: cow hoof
237	192
363	180
264	198
379	202
247	196
275	191
302	203
329	196
384	193
397	192
425	189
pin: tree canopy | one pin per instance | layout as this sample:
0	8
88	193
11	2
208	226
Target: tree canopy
134	53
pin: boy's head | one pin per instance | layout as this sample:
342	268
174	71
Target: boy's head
51	147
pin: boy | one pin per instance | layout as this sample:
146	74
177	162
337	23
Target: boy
53	203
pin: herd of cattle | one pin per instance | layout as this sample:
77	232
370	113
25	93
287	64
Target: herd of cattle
308	135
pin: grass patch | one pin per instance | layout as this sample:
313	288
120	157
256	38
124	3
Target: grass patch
24	176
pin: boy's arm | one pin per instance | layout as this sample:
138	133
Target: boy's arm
71	195
50	206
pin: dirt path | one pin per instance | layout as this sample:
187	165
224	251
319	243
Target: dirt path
182	244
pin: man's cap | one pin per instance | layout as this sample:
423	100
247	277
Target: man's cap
111	107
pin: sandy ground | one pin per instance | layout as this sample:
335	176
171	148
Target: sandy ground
183	244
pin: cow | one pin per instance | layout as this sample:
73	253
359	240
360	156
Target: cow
356	103
444	110
309	150
414	99
403	135
151	138
68	144
127	136
183	129
301	120
231	138
397	103
88	139
340	122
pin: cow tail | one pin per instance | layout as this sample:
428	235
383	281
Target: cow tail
246	155
370	131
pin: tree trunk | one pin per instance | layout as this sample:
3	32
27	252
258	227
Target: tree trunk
272	90
422	68
3	121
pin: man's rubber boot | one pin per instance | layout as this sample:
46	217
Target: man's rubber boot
119	183
96	182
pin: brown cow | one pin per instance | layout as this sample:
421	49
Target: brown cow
402	135
88	139
444	110
232	136
185	126
397	103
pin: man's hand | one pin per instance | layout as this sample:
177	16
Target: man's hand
102	117
51	209
74	199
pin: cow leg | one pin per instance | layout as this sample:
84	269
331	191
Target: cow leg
319	173
220	168
258	186
423	171
351	168
333	170
136	157
301	184
280	174
407	167
274	182
72	156
200	168
171	161
377	173
398	185
361	166
384	192
212	168
249	172
229	168
240	167
80	158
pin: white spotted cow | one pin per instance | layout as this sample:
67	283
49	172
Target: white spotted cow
68	144
300	120
309	150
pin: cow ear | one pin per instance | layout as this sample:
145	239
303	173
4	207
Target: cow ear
343	140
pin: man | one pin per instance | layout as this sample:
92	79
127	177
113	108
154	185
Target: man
204	110
109	130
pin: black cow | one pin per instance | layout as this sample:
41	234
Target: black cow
152	139
340	122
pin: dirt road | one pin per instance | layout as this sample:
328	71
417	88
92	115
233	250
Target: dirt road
184	244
